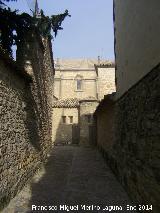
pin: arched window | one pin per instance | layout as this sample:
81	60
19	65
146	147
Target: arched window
79	82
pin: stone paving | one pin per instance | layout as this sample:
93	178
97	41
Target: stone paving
76	176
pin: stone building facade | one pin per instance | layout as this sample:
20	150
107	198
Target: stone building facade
79	85
134	152
106	79
65	117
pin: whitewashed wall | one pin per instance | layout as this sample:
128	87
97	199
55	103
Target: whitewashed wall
137	34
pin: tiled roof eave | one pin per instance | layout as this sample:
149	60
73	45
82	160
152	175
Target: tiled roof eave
66	106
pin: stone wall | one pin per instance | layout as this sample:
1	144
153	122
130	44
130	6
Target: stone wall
96	81
136	153
81	129
66	84
34	54
18	145
87	109
62	132
104	116
106	80
26	96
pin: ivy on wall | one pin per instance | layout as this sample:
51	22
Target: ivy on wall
10	26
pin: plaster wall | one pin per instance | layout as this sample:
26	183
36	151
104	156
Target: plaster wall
137	45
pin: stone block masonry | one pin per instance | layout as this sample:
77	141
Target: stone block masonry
128	134
136	152
18	153
35	55
25	112
104	119
87	109
62	133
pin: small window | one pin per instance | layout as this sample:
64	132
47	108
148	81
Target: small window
64	119
79	84
71	119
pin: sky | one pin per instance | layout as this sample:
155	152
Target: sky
88	33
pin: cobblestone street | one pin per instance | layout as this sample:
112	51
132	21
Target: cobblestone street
73	176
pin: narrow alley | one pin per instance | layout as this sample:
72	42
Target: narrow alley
66	102
73	175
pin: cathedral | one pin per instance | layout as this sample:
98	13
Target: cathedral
79	86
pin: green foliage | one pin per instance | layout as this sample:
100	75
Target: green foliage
45	23
57	20
13	26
